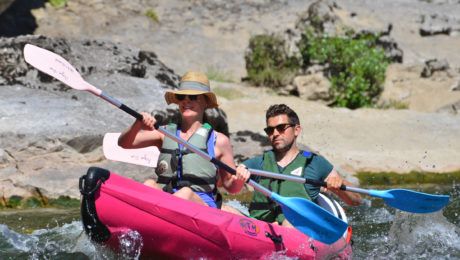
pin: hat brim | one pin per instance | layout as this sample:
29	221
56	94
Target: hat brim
170	96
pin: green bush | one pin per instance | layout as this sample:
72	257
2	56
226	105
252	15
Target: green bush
58	3
216	74
64	202
267	62
31	202
356	67
14	201
150	13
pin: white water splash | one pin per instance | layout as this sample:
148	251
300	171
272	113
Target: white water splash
131	244
17	241
378	216
47	243
418	236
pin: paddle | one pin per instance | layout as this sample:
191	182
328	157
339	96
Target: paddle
406	200
303	214
147	156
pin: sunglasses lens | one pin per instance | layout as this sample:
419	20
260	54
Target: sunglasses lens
181	97
280	128
269	130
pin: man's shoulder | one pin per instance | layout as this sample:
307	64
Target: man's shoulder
254	162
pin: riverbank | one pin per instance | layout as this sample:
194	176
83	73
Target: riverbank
412	180
50	135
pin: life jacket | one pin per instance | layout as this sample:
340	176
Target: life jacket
179	167
266	209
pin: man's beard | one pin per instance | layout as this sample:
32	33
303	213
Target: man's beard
283	149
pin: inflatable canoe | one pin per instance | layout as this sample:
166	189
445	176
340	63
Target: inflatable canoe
173	228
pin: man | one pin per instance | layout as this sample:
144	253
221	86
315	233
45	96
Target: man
283	128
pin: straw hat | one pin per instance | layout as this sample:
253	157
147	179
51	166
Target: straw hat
193	83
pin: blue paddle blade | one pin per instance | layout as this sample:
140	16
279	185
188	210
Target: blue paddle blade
311	219
412	201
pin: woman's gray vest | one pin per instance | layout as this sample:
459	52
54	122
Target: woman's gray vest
193	171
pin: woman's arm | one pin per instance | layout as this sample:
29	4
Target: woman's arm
224	153
141	134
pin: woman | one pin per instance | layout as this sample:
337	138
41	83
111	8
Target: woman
184	173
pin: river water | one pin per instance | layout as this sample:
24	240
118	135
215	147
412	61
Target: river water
380	232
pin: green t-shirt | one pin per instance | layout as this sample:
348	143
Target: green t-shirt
318	168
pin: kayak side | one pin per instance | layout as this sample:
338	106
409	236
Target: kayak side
171	227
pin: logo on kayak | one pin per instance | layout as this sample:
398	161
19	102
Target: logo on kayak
249	227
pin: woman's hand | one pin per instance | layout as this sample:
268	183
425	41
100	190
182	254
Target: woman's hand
148	121
242	173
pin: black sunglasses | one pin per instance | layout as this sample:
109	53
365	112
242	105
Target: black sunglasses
280	128
181	97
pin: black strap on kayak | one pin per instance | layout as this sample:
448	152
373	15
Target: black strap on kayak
89	184
277	239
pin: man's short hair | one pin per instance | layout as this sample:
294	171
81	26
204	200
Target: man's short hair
282	109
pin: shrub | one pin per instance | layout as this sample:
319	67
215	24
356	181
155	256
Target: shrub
64	202
58	3
14	201
31	202
150	13
216	74
267	62
356	67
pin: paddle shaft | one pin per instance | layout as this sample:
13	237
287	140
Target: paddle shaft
304	180
191	147
322	225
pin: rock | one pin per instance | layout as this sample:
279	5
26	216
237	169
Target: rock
453	108
314	87
321	17
16	17
49	133
456	86
4	4
439	24
47	129
391	48
404	88
434	65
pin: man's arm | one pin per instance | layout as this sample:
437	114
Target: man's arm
334	181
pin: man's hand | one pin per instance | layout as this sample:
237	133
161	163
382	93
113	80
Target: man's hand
334	181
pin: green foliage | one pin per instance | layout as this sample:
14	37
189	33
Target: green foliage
64	202
267	62
391	178
228	93
150	13
394	104
31	202
356	67
218	75
14	201
58	3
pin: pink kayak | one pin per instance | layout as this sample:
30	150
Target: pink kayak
173	228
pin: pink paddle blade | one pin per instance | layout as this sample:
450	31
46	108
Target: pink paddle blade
147	156
57	67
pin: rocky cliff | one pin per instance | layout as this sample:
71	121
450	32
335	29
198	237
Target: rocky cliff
134	50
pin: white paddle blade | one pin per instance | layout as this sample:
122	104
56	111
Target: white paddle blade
57	67
147	156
